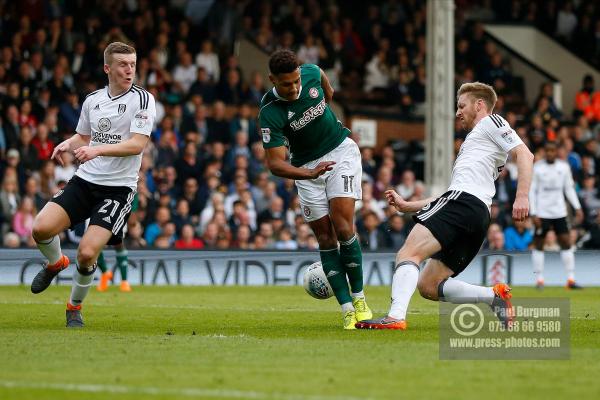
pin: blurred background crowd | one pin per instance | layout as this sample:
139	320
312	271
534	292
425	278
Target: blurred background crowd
203	182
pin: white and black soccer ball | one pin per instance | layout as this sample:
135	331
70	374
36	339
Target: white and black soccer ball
316	283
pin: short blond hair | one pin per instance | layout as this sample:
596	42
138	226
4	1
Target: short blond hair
478	90
116	48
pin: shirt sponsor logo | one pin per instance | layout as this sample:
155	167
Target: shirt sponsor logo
104	124
106	138
309	115
122	108
266	134
313	92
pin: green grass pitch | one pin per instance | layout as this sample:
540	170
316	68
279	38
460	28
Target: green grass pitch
263	343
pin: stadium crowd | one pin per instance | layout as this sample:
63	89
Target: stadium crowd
203	182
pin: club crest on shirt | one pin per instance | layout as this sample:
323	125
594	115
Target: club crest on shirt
104	124
266	134
313	92
122	108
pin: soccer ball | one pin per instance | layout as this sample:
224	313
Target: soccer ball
316	283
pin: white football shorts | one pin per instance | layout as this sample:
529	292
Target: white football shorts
344	180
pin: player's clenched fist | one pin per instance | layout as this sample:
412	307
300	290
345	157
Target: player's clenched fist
520	208
85	153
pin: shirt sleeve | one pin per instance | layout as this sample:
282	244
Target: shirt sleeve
569	189
271	129
143	119
533	192
83	125
501	133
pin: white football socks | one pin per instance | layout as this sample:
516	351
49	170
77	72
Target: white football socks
50	249
81	285
404	284
537	259
347	307
459	292
568	260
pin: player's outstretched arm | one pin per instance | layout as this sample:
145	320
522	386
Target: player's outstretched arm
394	199
129	147
71	144
327	88
276	163
524	160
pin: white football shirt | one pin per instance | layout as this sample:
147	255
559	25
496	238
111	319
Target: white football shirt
110	120
549	186
482	157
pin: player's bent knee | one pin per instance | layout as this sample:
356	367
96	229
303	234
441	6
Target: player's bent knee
41	230
86	255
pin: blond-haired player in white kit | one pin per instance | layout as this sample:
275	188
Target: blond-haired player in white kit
451	228
114	126
552	182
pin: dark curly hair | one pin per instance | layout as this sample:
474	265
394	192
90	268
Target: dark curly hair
283	62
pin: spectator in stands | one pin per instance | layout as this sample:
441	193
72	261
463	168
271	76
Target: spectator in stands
22	223
209	61
371	236
566	22
182	216
188	165
155	229
184	73
11	126
32	190
218	126
231	89
519	236
396	232
69	111
43	144
377	73
256	88
9	200
583	98
188	240
495	238
204	86
547	92
29	155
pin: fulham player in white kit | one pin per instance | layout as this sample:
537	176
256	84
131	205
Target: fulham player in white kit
450	229
552	182
114	126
